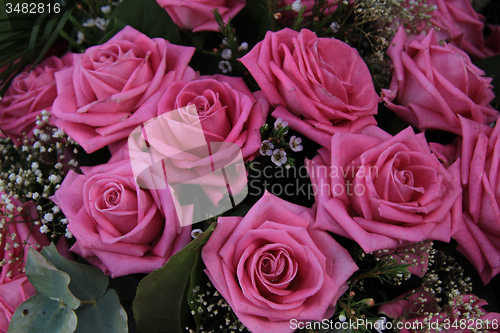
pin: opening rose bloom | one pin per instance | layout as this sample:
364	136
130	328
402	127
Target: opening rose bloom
119	227
97	97
31	92
382	191
320	86
202	126
432	84
272	266
478	229
14	286
197	15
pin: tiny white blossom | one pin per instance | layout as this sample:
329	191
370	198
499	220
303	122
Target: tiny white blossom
37	145
64	221
266	148
37	131
58	134
48	216
10	207
56	209
280	123
295	143
35	196
80	37
244	46
34	165
54	179
44	229
380	324
334	26
101	23
226	54
278	157
106	9
225	66
58	165
296	5
196	232
90	23
342	317
44	137
68	234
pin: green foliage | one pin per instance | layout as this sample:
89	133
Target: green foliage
144	15
161	304
64	286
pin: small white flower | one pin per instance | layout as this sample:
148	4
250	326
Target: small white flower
10	207
34	165
90	23
58	165
280	123
44	137
64	221
295	143
37	145
226	54
196	232
44	229
101	23
68	234
48	216
225	66
244	46
296	5
342	317
278	157
380	324
35	196
106	9
56	209
54	179
334	26
80	38
266	148
58	134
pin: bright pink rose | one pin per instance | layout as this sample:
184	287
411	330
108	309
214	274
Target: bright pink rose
458	21
459	315
478	229
272	266
14	286
29	93
320	86
98	97
120	227
383	192
432	84
197	15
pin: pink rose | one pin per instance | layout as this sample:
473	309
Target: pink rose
272	266
320	86
14	286
119	227
478	229
432	84
197	15
459	315
98	97
29	93
203	126
383	192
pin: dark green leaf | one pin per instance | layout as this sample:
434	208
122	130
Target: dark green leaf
49	281
161	302
86	283
106	315
40	314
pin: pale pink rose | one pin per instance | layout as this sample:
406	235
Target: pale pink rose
14	286
320	86
203	126
383	192
97	98
29	93
432	84
119	227
272	266
414	309
197	15
477	230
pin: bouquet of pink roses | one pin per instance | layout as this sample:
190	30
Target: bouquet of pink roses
252	166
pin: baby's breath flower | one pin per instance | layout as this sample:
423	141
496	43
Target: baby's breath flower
44	229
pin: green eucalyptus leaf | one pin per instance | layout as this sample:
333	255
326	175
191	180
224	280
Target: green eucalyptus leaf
106	315
87	283
161	303
149	18
40	314
49	281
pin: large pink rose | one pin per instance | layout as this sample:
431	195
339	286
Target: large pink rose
14	286
98	97
29	93
320	86
119	227
197	15
461	313
434	83
383	192
205	125
272	266
477	230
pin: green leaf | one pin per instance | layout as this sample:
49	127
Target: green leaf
106	315
86	283
161	303
149	18
49	281
491	66
40	314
